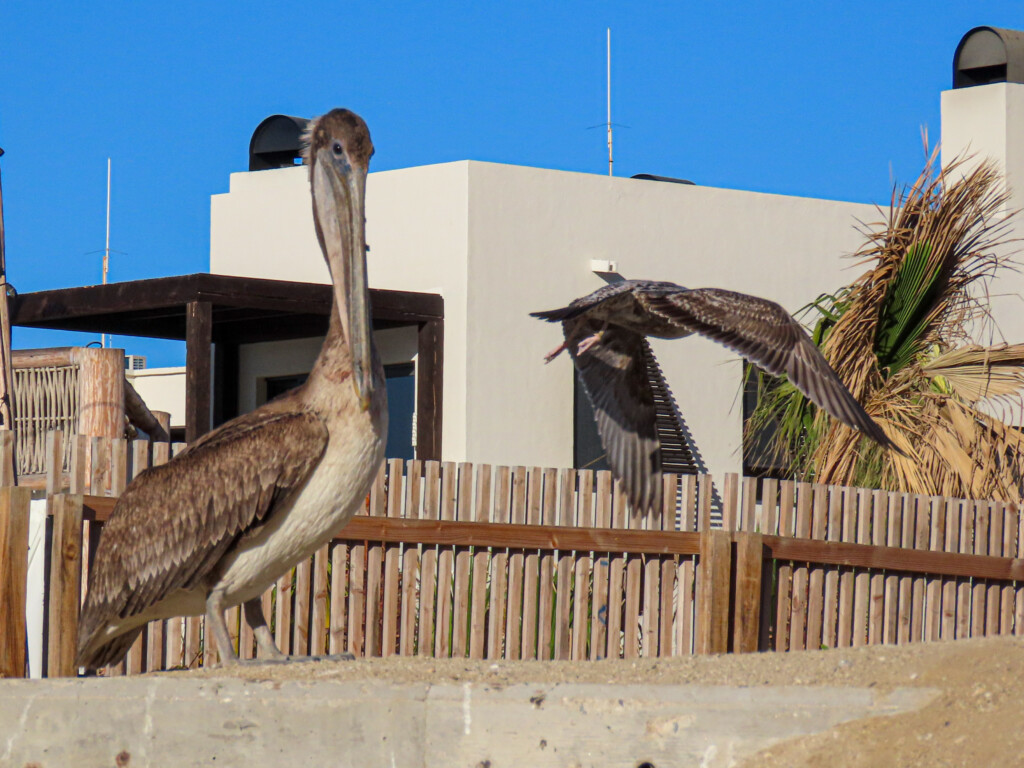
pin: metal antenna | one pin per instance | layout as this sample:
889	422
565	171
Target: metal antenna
609	61
106	249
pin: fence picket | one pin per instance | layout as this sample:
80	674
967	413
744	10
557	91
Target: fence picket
906	589
785	572
545	601
933	585
816	575
879	523
516	563
798	610
481	566
616	610
411	562
428	561
1009	550
392	555
499	568
318	628
581	605
963	586
337	638
993	591
848	532
531	565
374	568
979	590
601	570
949	585
893	591
832	532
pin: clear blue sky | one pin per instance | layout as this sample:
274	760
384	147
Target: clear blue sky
820	99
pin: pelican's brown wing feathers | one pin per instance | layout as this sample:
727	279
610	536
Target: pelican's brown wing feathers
614	373
172	524
767	335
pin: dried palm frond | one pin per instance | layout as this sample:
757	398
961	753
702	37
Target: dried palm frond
899	338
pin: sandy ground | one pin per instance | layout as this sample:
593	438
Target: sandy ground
976	721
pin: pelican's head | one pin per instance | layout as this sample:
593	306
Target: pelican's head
339	150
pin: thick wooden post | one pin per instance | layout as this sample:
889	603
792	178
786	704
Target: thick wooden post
713	592
65	584
8	475
101	388
14	514
198	337
429	389
747	604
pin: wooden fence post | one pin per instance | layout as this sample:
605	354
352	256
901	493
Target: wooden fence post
65	584
14	514
747	610
8	474
101	387
713	595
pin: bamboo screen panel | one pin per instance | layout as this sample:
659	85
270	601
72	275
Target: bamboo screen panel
45	399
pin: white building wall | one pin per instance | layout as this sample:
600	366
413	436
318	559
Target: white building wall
499	241
533	233
162	389
416	230
987	121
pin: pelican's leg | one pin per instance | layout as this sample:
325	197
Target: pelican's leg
254	615
554	353
588	342
215	621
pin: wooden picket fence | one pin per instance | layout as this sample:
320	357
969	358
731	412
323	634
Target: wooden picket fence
457	560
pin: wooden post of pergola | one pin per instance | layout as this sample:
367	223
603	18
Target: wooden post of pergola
6	371
198	337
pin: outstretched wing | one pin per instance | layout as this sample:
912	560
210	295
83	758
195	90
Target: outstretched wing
173	522
614	373
767	335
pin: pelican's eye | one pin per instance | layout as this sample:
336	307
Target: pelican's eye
337	149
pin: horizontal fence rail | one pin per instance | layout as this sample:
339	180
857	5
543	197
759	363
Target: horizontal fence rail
483	562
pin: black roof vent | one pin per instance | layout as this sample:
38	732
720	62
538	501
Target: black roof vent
652	177
989	55
277	143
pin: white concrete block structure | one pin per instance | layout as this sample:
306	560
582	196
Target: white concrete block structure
499	241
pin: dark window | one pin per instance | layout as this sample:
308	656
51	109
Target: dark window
401	385
759	458
676	454
588	453
278	385
400	380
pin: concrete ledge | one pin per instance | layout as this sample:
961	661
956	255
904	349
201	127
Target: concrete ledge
176	721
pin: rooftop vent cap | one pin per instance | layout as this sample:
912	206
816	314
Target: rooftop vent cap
989	55
654	177
277	143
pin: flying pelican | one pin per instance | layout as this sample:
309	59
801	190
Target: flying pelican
605	335
218	524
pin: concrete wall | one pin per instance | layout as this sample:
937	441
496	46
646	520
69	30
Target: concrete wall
162	389
499	241
416	230
987	121
532	235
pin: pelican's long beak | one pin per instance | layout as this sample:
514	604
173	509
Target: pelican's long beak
343	222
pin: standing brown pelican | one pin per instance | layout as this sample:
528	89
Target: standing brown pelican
218	524
604	333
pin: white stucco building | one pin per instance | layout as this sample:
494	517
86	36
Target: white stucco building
499	241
